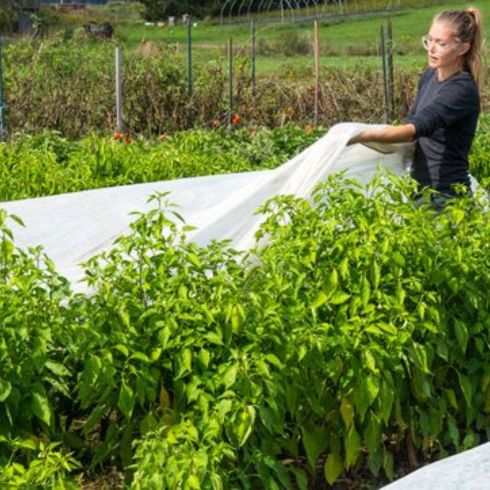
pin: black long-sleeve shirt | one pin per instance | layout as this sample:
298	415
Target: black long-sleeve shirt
445	116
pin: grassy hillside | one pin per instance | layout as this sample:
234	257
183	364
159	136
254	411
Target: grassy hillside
282	48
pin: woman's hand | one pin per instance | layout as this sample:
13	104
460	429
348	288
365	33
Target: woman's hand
389	134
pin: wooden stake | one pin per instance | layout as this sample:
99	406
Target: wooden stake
316	49
391	83
119	91
230	82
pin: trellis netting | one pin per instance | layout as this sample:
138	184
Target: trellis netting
74	227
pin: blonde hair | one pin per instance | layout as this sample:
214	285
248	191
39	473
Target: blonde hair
469	29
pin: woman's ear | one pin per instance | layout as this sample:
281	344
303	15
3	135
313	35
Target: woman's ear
464	48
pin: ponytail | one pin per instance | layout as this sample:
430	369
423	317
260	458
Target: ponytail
469	29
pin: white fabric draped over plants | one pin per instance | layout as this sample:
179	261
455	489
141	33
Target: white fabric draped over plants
74	227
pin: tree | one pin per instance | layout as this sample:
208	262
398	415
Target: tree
9	10
161	9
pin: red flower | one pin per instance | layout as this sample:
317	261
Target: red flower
235	119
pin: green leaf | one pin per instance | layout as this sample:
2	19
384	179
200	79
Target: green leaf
375	275
236	319
57	368
352	447
230	376
164	398
365	291
315	442
344	268
466	387
365	393
388	465
194	260
122	349
5	389
141	357
184	359
339	298
333	280
301	478
419	356
245	424
457	215
461	331
333	467
370	361
319	300
372	433
40	405
126	400
192	483
386	398
204	357
347	412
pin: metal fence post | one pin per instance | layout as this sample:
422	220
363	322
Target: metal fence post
189	54
3	130
119	91
254	57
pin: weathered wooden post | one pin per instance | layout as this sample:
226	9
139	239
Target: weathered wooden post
316	49
119	91
187	21
391	82
230	82
254	56
385	75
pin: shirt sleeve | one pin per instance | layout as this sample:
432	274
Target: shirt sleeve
453	102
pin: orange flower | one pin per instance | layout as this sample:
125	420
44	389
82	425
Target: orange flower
309	129
162	137
127	140
235	119
117	136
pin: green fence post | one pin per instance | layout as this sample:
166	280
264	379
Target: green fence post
3	129
189	53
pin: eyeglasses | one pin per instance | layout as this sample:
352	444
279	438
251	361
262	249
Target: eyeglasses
440	45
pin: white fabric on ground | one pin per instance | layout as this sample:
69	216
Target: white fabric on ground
74	227
469	470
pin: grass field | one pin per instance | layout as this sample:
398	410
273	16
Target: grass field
345	41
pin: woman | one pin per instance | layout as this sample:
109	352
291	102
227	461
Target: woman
443	118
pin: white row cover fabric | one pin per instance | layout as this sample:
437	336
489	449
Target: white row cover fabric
74	227
469	470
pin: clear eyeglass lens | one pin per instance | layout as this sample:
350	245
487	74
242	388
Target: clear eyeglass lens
426	42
